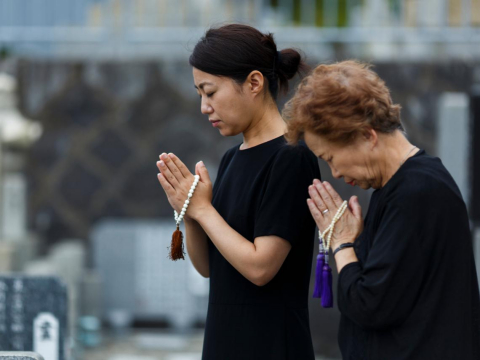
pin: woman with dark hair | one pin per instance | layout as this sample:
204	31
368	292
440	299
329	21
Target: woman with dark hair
252	235
407	284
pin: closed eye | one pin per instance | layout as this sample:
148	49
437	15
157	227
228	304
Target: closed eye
327	160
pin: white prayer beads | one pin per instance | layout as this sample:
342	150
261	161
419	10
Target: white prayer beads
179	218
330	228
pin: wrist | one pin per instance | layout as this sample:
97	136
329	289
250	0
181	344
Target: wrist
188	219
345	257
341	247
339	241
202	213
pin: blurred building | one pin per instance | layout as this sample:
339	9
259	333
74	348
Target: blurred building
380	29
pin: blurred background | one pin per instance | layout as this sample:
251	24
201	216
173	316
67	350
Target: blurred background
92	91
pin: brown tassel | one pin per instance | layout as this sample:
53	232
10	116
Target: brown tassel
176	249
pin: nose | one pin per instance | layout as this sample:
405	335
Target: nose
335	173
205	108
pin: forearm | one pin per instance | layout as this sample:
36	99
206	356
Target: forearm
237	250
197	246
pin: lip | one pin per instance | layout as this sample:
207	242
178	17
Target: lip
351	183
214	122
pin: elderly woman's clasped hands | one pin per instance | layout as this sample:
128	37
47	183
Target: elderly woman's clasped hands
324	203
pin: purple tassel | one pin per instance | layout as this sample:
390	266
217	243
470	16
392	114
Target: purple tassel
327	293
317	292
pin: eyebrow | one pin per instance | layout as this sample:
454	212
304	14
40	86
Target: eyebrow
202	84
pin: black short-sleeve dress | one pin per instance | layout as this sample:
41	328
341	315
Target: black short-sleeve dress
262	191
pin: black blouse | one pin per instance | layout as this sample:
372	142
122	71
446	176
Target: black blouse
414	293
262	191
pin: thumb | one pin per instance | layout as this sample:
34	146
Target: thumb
355	207
202	171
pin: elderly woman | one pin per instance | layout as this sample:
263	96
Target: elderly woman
407	286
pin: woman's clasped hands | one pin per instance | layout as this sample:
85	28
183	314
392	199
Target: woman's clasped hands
176	181
324	203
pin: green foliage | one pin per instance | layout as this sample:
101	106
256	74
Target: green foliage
319	13
342	15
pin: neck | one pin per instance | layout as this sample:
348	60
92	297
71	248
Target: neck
395	151
267	126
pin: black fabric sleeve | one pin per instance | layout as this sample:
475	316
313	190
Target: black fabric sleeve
283	209
383	291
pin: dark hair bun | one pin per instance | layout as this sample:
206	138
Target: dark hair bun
289	63
236	50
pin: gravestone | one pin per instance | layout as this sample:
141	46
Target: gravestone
33	315
14	207
20	355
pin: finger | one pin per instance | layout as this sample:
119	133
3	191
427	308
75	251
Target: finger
169	190
333	194
316	213
317	199
326	198
174	170
355	207
180	165
203	172
158	166
168	174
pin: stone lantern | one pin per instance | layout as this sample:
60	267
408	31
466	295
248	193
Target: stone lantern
16	131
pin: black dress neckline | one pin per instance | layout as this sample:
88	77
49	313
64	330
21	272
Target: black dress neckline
400	170
262	145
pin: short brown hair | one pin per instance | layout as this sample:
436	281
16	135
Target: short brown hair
340	101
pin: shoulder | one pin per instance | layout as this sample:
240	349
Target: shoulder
423	180
295	154
297	161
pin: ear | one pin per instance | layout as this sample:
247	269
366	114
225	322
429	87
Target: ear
254	83
371	136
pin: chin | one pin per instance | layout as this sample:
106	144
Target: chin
224	132
365	186
229	132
